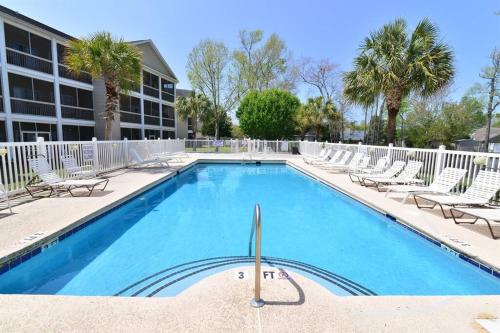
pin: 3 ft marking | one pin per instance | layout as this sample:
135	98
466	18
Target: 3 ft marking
266	275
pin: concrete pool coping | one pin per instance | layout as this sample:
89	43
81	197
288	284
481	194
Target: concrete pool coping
333	312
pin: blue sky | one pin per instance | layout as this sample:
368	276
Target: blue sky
312	28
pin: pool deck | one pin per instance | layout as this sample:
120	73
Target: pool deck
220	302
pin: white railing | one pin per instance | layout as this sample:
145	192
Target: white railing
102	156
106	156
434	160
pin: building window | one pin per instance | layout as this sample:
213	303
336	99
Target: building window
24	41
168	115
130	104
131	133
168	135
150	84
3	135
77	133
24	87
167	90
72	96
151	134
28	132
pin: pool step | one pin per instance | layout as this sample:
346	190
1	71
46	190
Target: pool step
172	280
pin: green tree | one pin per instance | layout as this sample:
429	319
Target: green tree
210	71
117	62
492	76
224	127
393	63
262	64
269	114
236	132
195	107
303	121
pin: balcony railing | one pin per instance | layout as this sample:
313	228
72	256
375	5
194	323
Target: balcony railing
153	92
151	120
77	113
167	97
29	61
33	108
67	74
128	117
168	122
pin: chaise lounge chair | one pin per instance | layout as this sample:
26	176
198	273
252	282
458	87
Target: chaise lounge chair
483	188
5	195
407	176
341	163
323	156
328	155
485	214
352	165
48	179
74	170
443	183
163	161
393	170
365	172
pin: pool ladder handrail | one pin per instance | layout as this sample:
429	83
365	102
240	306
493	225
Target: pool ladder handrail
256	302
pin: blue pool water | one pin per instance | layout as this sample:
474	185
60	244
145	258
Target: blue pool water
206	212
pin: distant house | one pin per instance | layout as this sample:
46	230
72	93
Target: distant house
477	140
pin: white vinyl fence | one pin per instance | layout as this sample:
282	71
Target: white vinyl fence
105	156
434	160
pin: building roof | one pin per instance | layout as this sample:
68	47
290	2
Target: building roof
480	134
33	22
183	92
150	43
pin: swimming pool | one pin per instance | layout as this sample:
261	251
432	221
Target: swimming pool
198	223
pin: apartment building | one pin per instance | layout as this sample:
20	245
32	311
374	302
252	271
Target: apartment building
39	97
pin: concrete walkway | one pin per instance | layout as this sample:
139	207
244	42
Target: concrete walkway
221	302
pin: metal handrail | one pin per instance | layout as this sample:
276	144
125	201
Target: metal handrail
256	302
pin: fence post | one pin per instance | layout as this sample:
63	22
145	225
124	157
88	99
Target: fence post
95	154
359	146
389	152
439	160
125	153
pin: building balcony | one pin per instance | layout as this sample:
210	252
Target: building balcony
26	60
129	117
32	108
67	74
74	112
149	120
150	91
168	122
167	97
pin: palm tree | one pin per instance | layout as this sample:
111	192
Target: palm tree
303	121
194	107
314	107
117	62
393	63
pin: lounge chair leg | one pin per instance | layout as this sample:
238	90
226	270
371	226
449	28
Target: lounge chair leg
420	206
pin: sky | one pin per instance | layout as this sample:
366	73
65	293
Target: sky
311	28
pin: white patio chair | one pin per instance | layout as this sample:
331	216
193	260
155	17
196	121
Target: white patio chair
74	170
393	170
5	195
49	179
139	160
407	176
352	165
486	214
443	183
324	155
377	169
479	193
341	163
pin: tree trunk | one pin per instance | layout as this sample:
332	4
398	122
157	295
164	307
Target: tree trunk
111	107
393	103
318	130
490	114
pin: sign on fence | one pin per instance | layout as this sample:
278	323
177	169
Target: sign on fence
218	143
88	152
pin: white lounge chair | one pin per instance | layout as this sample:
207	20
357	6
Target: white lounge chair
50	180
352	165
407	176
377	169
5	195
334	155
486	214
483	188
324	155
393	170
138	159
443	183
341	163
74	170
